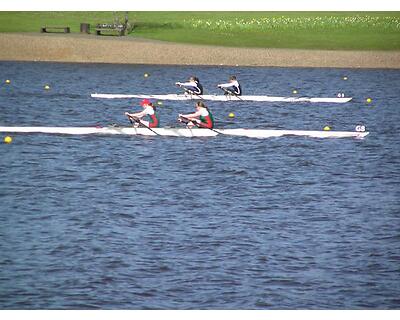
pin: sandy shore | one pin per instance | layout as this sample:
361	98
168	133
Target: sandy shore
111	49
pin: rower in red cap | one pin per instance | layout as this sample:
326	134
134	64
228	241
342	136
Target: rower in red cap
148	110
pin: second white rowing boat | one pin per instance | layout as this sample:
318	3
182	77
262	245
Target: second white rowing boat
183	97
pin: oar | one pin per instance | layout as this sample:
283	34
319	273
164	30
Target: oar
191	92
194	93
130	120
199	126
231	93
140	123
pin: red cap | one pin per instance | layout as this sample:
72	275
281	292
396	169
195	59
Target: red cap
145	102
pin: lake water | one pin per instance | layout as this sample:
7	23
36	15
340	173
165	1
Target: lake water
126	222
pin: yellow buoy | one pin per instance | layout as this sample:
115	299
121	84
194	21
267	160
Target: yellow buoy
327	128
159	103
294	91
231	115
7	139
47	87
146	75
369	100
8	81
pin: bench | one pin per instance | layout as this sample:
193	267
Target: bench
110	29
55	29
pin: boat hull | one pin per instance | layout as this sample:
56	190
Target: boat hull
184	132
184	97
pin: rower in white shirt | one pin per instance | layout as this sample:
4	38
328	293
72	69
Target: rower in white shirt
232	87
193	86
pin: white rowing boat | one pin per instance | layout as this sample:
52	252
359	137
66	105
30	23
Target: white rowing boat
184	132
183	97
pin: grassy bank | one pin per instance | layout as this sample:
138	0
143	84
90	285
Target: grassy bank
302	30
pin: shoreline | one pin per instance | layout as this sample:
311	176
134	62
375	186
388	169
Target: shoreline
84	48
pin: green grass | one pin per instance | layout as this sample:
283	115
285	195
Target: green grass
303	30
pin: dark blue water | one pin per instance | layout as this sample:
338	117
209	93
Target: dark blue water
90	222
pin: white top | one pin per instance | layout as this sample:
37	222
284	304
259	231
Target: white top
229	84
204	112
148	111
190	84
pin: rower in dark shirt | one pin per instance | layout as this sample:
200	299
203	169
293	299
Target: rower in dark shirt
193	86
232	87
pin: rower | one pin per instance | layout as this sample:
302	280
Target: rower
148	110
232	87
193	86
202	118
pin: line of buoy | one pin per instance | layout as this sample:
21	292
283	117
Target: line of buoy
46	87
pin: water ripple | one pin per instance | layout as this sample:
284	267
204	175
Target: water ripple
222	223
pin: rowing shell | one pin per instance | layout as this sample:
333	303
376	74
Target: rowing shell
185	132
181	97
